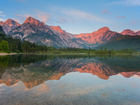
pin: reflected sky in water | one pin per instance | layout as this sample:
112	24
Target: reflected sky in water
69	80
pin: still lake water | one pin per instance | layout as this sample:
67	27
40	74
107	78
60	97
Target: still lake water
69	80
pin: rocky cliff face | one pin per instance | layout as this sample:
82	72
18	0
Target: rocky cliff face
8	25
38	32
35	31
34	21
138	33
57	29
1	30
128	32
102	35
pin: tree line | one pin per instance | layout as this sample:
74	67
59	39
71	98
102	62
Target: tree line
9	44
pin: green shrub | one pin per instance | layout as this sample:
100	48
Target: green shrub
17	51
8	51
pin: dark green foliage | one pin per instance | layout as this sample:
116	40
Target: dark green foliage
8	44
2	36
4	46
123	42
1	30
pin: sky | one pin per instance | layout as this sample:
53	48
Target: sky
76	16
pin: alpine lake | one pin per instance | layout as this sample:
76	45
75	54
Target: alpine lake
41	79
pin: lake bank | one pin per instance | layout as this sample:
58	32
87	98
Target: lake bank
2	54
66	53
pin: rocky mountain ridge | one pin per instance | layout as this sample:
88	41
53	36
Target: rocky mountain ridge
8	25
38	32
100	36
128	32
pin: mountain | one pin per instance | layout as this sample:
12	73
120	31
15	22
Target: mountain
36	31
97	37
1	30
128	32
57	29
36	22
138	33
8	25
122	42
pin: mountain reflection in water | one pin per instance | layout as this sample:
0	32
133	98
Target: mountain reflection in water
34	70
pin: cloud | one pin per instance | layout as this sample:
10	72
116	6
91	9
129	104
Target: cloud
134	21
23	16
105	11
20	18
132	2
120	16
72	21
1	19
119	32
43	16
136	30
38	15
127	2
20	0
84	15
123	17
2	15
62	20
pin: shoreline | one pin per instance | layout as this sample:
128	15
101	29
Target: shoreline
2	54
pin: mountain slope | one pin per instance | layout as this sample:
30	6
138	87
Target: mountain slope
122	42
138	33
128	32
38	32
35	31
97	37
34	21
1	30
8	25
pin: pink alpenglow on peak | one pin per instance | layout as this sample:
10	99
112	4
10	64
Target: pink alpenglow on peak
128	32
103	30
11	22
100	36
34	21
58	29
8	25
138	33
